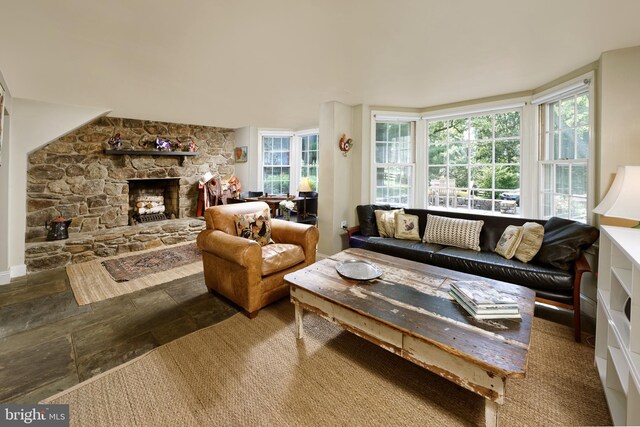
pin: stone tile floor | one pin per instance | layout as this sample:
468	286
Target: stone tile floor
48	343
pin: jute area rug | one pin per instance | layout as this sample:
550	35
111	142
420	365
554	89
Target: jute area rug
254	372
91	282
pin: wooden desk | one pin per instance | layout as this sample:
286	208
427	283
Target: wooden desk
273	202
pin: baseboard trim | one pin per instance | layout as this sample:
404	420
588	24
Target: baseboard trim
5	277
18	270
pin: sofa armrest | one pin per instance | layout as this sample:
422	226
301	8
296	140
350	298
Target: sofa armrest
303	235
236	249
353	230
582	265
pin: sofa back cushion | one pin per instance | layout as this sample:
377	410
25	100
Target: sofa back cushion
456	232
563	241
367	218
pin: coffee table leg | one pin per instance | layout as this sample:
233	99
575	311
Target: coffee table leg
299	331
491	413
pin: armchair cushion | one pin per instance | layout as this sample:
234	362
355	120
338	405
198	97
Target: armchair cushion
254	226
280	256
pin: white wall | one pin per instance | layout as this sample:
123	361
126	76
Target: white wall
4	187
247	172
619	124
337	172
33	125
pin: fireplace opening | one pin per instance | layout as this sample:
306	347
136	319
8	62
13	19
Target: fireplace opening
153	199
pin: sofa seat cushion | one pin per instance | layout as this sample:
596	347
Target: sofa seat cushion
280	256
358	241
493	266
407	249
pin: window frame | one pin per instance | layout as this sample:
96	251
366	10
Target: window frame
295	154
412	120
468	114
558	93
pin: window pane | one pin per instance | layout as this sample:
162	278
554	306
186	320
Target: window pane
393	132
582	109
556	145
579	180
567	144
554	115
404	132
305	143
437	154
437	131
458	153
567	113
381	153
507	177
435	173
561	205
508	151
547	178
459	176
481	152
457	129
508	124
578	207
562	179
381	131
482	176
268	144
481	128
582	146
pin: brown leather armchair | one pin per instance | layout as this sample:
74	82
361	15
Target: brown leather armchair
245	272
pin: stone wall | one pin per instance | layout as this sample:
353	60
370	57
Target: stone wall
72	177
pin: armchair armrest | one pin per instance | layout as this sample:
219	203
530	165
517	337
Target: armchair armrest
582	265
236	249
295	233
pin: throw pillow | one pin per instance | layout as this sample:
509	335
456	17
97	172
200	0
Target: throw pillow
509	241
532	235
563	241
407	227
255	226
386	222
367	218
461	233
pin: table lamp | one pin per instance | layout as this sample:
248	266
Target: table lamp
622	201
304	187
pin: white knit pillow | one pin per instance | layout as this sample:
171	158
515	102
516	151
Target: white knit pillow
461	233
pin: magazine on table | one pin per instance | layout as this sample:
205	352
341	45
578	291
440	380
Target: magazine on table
486	314
482	295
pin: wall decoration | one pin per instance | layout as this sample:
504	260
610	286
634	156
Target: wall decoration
240	154
345	144
1	119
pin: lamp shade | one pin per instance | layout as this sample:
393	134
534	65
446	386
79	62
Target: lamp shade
622	199
305	185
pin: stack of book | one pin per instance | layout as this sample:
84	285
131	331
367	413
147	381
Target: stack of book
484	302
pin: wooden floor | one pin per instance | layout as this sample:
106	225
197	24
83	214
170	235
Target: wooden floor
48	343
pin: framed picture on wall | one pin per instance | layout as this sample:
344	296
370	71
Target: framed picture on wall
1	119
241	154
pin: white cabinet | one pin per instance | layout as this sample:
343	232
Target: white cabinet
618	338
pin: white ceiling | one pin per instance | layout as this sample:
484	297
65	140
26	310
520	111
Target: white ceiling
236	63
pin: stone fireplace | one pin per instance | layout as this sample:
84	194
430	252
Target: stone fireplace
153	199
73	177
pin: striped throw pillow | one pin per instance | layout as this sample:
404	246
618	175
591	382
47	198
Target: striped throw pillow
461	233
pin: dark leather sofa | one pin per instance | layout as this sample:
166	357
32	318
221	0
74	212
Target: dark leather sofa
554	274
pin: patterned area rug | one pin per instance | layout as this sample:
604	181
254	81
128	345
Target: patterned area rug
134	266
91	282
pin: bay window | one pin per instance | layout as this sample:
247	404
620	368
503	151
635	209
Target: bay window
473	161
564	160
394	162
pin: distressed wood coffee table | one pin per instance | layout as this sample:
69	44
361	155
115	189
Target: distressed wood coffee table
409	312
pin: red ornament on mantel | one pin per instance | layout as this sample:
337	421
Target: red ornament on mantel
345	144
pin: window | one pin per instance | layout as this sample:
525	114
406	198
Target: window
394	162
565	141
286	158
309	158
275	164
474	162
